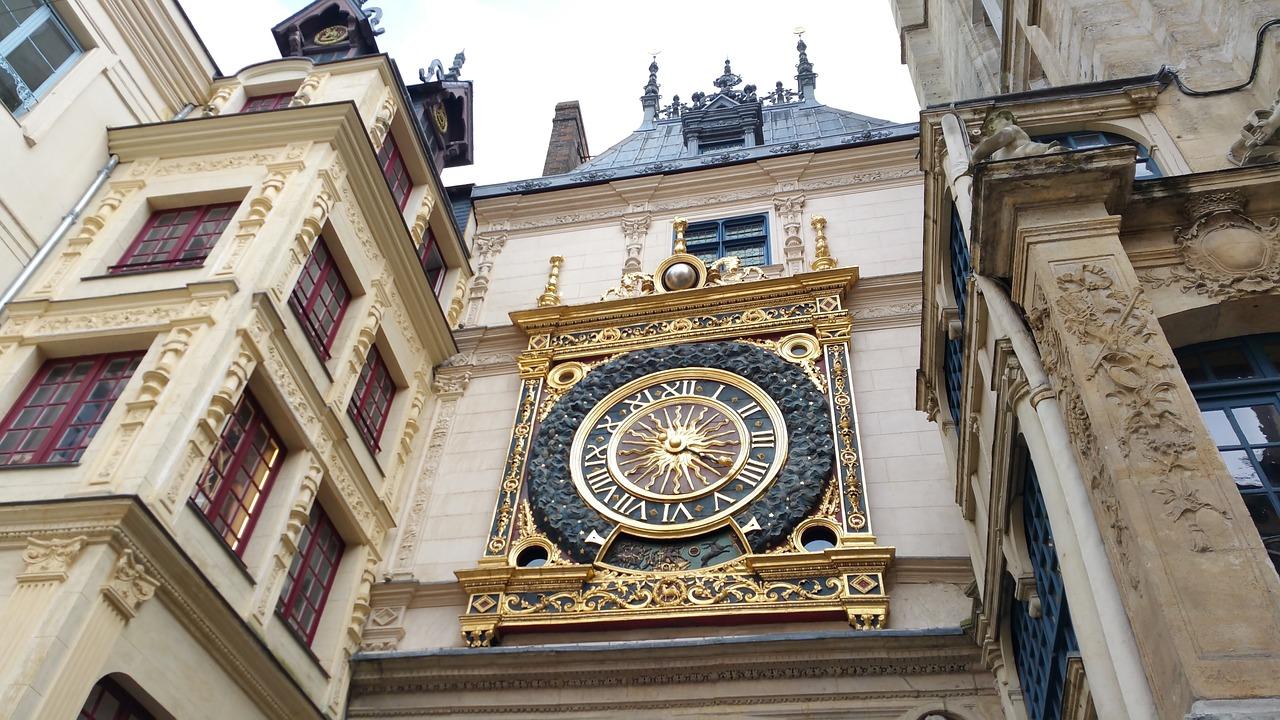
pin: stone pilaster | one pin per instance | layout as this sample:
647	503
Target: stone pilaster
487	248
634	231
790	210
1193	573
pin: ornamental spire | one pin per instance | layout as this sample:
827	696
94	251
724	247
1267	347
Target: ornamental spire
806	78
650	99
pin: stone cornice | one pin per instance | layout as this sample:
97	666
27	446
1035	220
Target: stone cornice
339	125
886	301
41	318
124	523
668	663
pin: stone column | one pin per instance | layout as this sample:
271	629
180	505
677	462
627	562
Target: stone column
1195	581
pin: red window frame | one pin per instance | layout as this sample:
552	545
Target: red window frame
108	701
178	238
236	480
62	408
262	103
435	275
371	402
320	298
395	171
311	575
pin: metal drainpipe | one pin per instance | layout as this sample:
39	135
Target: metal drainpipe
69	219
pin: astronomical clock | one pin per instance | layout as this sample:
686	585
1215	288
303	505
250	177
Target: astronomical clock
684	451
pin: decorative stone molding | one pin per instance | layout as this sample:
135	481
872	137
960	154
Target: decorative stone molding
209	428
634	231
307	90
49	560
790	211
382	120
458	301
1259	138
404	447
384	630
219	99
138	409
259	206
229	161
1227	255
64	322
448	389
299	516
117	193
129	586
487	247
322	204
422	220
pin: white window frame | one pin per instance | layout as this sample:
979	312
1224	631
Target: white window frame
10	42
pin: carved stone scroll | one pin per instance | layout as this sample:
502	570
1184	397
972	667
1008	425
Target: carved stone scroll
49	560
129	586
118	193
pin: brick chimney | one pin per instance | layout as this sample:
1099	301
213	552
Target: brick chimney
567	148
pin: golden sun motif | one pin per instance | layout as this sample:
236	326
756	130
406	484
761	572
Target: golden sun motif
679	449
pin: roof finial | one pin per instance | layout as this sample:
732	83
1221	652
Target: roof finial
649	101
806	78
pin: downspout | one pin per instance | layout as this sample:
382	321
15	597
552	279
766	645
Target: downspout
70	219
1117	633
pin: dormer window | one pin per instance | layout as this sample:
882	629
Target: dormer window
262	103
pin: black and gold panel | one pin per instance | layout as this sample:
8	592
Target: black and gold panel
680	456
682	445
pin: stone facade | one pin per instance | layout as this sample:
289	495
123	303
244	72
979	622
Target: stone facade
1059	279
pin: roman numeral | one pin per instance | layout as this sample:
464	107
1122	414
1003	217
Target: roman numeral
716	394
595	455
639	400
669	515
678	387
753	471
762	439
608	424
721	498
749	409
625	504
599	479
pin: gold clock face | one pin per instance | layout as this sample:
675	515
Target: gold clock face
330	35
440	118
679	450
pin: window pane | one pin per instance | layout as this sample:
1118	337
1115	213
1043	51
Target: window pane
1241	468
53	44
1259	423
1192	368
30	64
1229	363
1271	349
1262	510
1220	428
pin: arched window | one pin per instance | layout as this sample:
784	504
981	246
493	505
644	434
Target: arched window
109	701
1043	637
1091	139
1237	384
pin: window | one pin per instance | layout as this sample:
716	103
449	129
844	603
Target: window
372	398
953	351
260	103
311	575
63	407
108	701
176	238
320	298
35	50
1041	645
745	238
1237	385
234	485
394	170
432	262
1089	140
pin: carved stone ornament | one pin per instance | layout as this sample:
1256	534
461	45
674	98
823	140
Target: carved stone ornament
1002	139
49	560
129	585
1259	138
1228	254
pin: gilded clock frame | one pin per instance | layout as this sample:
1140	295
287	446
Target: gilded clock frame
804	320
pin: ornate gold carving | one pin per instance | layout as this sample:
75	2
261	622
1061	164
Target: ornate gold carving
679	225
129	586
50	560
551	293
513	476
527	530
729	270
634	284
822	259
846	448
1228	255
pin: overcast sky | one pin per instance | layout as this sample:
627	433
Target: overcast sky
524	56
